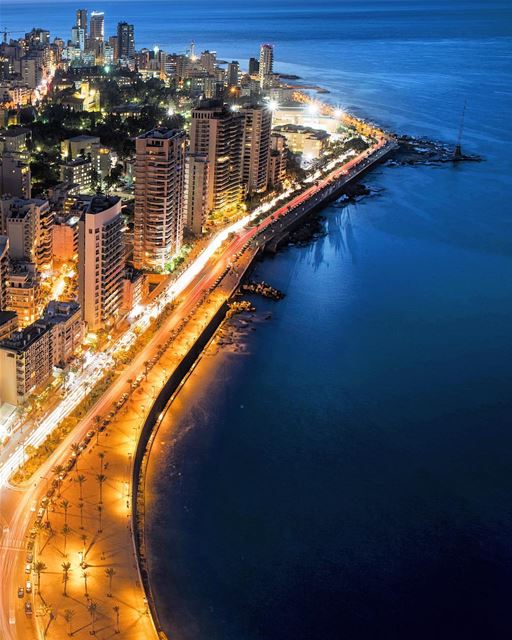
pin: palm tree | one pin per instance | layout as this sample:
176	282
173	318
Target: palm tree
100	477
85	575
83	538
75	448
100	511
39	567
101	456
116	611
92	607
81	507
65	505
81	479
66	566
65	532
68	617
110	573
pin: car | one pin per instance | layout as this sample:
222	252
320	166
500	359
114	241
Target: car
30	557
28	608
21	592
28	586
28	567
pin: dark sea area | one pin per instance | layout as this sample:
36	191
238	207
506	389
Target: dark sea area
345	473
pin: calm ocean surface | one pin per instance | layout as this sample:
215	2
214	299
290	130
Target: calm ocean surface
350	475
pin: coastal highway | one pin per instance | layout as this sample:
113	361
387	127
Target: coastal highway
16	505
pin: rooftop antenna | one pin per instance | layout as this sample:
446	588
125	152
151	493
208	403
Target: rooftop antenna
457	153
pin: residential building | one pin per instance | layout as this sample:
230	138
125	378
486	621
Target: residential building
125	41
24	293
84	146
4	270
79	171
65	238
28	224
100	259
159	197
216	132
305	141
97	26
8	324
278	158
14	177
16	143
266	67
232	74
256	147
196	192
81	20
27	357
254	67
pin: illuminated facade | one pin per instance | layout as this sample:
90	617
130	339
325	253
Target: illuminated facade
159	198
266	68
100	259
216	132
256	147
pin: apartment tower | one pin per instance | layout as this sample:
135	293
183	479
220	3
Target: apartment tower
100	259
159	197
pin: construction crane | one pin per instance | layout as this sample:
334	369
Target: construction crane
5	33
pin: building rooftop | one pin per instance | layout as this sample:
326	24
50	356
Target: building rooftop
161	133
82	138
94	204
14	132
77	162
22	340
7	316
319	134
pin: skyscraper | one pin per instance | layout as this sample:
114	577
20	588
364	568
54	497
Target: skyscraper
159	197
216	132
266	65
125	41
232	74
100	259
196	193
81	20
256	147
97	26
4	270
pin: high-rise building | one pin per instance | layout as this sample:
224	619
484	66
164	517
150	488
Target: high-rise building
266	65
256	147
159	197
125	41
27	357
100	259
278	158
232	74
28	225
97	32
254	67
78	38
208	61
4	270
216	132
196	191
24	295
14	177
81	20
